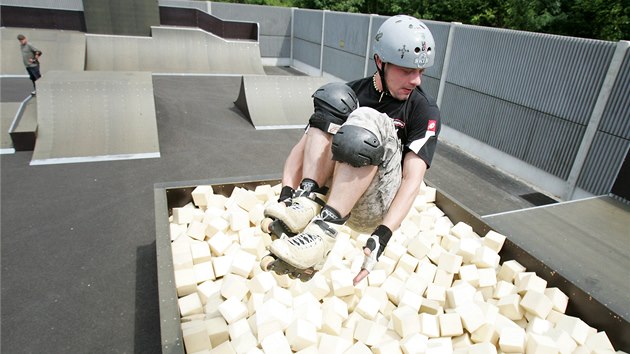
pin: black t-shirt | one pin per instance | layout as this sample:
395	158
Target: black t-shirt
417	119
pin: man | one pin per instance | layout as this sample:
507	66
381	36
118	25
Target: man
375	159
30	57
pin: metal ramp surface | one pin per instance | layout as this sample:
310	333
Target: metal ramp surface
587	241
173	50
278	102
62	50
95	116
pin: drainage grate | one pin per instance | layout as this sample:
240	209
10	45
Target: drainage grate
538	199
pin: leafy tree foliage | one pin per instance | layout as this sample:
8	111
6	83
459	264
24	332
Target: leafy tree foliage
596	19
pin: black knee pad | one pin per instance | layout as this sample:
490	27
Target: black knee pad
357	146
332	103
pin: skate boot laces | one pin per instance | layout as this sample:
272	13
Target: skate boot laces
311	236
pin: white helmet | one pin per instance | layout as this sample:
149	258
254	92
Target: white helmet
405	41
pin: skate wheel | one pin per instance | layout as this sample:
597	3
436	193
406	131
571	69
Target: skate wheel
265	225
266	261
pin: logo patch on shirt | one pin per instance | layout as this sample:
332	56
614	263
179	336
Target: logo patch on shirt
432	126
399	124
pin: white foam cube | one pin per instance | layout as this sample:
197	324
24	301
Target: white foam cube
539	344
414	343
301	334
196	230
429	325
512	340
503	288
509	270
234	286
190	305
333	344
195	337
245	343
219	243
223	348
408	263
436	293
443	278
527	281
376	277
536	303
427	270
467	248
335	305
482	348
185	282
200	251
200	195
216	225
393	288
217	330
221	265
411	299
471	315
575	327
342	282
487	277
469	274
494	240
243	263
563	341
203	272
183	215
450	324
599	341
405	321
460	294
486	333
358	348
462	230
449	262
307	307
439	346
261	282
509	306
175	230
368	332
559	299
276	343
485	257
208	289
233	309
368	306
387	347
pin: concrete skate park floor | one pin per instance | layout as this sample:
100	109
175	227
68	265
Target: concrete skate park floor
78	240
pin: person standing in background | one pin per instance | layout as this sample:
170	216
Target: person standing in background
30	57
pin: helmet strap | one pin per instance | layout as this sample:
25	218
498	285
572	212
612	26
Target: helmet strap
381	74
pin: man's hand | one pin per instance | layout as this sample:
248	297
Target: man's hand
373	249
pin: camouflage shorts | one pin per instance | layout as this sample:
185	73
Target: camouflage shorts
369	211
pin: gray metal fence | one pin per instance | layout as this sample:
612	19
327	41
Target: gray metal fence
529	95
556	105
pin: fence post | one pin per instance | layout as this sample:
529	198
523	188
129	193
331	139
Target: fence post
447	60
321	50
596	116
367	48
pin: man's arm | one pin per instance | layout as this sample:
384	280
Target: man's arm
413	172
414	169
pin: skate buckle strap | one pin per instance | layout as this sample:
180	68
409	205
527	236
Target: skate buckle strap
303	240
330	231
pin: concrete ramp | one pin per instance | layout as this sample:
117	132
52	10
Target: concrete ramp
62	50
278	102
95	116
8	111
174	50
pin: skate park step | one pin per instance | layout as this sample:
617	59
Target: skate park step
23	129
